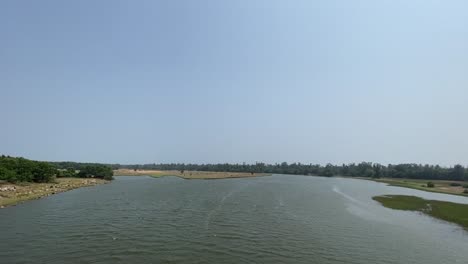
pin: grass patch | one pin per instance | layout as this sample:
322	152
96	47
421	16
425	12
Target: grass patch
448	211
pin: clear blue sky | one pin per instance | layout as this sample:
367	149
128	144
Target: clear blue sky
235	81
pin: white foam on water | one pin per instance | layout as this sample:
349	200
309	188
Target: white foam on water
359	208
220	205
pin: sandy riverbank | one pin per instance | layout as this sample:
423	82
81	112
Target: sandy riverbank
440	186
187	174
11	194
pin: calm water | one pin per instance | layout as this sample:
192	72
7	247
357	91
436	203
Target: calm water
278	219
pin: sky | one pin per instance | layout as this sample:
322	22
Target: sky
213	81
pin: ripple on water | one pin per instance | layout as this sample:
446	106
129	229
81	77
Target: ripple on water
279	219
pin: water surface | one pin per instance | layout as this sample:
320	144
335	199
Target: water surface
277	219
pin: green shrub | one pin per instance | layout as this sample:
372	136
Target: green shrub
430	185
97	171
70	172
455	184
465	191
23	170
465	185
7	175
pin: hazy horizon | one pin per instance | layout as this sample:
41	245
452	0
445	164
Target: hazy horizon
239	81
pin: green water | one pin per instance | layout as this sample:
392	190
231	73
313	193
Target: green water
277	219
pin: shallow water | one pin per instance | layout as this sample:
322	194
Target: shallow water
277	219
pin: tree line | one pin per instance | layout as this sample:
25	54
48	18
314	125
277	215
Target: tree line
17	169
20	169
24	170
363	169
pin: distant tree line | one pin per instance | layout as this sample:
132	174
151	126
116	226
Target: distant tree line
98	171
363	169
17	169
83	170
63	165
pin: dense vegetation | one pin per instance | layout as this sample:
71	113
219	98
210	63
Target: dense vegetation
363	169
20	169
85	170
64	165
15	169
99	171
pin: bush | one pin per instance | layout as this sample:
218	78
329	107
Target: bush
465	185
24	170
430	185
96	171
70	172
465	191
455	184
43	172
7	175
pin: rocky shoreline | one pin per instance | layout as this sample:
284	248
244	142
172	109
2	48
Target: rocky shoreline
12	194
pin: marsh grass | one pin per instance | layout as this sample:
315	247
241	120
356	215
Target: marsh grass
448	211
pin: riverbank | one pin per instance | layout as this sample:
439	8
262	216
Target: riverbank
440	186
12	194
187	174
448	211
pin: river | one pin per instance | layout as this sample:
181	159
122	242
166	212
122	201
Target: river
273	219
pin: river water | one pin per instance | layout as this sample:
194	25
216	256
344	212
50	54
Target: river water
274	219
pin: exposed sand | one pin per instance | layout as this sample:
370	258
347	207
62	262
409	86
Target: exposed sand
187	174
440	186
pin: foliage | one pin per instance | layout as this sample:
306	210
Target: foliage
70	165
70	172
14	169
96	171
430	185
